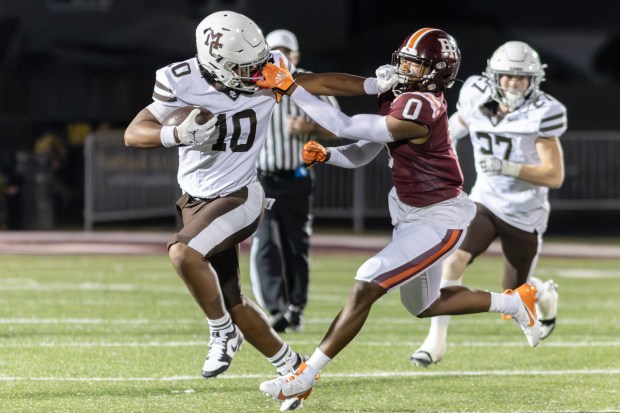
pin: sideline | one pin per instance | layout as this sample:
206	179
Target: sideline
154	243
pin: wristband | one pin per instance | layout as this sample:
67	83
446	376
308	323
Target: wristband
370	86
511	169
166	134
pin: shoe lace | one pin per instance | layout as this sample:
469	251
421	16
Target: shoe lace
291	364
217	346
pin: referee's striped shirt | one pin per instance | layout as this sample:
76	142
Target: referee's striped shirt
282	151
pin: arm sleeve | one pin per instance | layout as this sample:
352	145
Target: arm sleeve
361	127
354	155
457	129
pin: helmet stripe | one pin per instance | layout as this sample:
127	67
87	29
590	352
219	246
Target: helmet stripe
417	36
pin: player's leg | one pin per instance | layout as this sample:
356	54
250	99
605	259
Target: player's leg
209	227
481	232
343	329
521	253
252	321
521	250
413	249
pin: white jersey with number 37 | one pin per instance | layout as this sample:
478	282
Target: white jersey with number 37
512	138
212	170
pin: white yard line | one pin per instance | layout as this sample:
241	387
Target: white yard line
311	321
202	343
362	375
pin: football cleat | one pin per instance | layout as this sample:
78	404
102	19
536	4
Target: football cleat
289	386
222	349
433	348
290	366
294	403
546	306
526	313
422	358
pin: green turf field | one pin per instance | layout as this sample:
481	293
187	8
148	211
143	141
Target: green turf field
121	334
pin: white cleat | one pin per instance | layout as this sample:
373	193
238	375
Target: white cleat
526	314
547	307
290	386
290	366
428	353
422	358
222	349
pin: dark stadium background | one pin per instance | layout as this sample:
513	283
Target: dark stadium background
75	64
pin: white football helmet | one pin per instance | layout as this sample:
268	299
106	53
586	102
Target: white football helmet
517	59
231	49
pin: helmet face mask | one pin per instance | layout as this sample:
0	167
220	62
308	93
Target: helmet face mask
515	59
411	71
427	61
232	50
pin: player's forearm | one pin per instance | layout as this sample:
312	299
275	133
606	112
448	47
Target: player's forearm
144	135
144	131
332	84
551	177
361	127
353	155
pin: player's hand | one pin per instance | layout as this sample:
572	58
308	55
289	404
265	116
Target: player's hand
190	132
278	79
490	165
387	77
314	152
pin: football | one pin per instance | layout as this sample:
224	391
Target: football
179	115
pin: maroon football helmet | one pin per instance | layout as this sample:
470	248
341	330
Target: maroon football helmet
428	61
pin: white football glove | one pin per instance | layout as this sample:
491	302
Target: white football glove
490	165
387	77
191	133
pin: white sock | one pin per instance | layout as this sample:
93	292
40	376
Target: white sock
503	303
318	361
450	283
223	324
438	330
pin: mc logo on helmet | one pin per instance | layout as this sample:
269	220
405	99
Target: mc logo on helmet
212	40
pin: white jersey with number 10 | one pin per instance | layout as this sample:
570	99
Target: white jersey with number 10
212	170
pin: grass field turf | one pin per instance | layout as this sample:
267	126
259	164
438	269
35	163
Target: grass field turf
122	334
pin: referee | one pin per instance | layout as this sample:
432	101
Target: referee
279	254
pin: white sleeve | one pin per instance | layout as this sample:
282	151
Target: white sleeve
361	127
354	155
457	129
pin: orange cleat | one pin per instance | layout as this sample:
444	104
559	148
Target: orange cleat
526	317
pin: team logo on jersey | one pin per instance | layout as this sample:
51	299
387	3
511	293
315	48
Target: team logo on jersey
212	40
447	47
